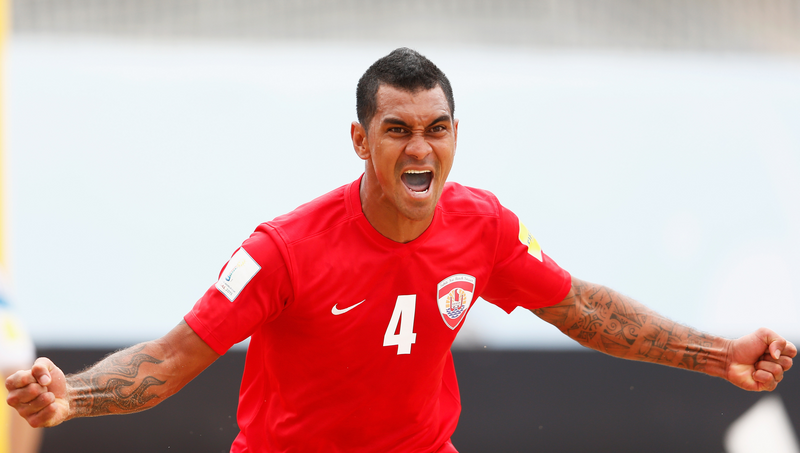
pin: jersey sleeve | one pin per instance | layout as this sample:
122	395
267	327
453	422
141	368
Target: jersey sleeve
253	288
523	276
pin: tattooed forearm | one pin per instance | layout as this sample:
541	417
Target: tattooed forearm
603	319
117	384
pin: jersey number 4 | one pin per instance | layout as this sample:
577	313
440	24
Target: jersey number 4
403	314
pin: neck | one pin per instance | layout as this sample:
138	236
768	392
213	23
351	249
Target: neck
385	218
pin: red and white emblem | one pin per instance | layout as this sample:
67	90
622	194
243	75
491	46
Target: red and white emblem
455	296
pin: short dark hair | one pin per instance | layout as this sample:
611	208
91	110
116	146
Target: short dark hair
405	69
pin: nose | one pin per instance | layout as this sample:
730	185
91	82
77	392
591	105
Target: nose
418	147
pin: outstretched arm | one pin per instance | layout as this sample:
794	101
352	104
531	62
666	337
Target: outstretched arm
602	319
130	380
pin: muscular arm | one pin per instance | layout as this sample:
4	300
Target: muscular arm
602	319
130	380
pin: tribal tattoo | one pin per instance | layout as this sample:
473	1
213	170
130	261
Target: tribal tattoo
603	319
114	385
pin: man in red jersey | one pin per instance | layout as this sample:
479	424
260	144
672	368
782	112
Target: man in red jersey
353	300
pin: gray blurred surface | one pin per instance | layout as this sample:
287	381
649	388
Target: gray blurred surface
771	26
520	401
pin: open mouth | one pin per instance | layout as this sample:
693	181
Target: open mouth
417	180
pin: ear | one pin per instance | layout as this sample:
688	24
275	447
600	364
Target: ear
359	137
455	132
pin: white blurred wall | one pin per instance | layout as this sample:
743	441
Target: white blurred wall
137	169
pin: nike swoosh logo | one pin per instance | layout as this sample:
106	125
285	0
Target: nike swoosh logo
337	311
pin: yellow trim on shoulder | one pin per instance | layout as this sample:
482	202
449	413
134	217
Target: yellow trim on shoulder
528	240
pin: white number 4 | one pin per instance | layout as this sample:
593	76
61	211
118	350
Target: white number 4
403	314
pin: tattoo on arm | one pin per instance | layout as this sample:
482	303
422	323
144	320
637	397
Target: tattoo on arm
603	319
115	385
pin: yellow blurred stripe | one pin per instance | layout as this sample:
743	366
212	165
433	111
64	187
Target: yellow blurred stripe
4	22
5	19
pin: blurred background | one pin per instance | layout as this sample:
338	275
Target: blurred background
650	146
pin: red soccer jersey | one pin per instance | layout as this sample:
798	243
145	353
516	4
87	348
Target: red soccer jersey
351	331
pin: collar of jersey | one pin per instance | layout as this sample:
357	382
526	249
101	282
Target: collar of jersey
354	207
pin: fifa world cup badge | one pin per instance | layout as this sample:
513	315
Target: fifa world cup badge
454	295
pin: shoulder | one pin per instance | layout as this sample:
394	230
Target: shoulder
458	199
314	217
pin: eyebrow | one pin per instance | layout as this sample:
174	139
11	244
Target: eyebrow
399	122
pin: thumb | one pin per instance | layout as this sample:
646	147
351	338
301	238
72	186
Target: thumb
41	370
776	348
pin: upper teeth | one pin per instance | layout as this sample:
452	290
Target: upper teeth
417	171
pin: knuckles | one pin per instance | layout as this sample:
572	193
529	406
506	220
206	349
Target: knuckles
41	405
25	395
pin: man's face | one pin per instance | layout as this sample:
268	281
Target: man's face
409	150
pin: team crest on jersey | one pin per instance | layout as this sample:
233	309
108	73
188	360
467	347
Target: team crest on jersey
454	295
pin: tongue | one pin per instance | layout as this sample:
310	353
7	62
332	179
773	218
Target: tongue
418	182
